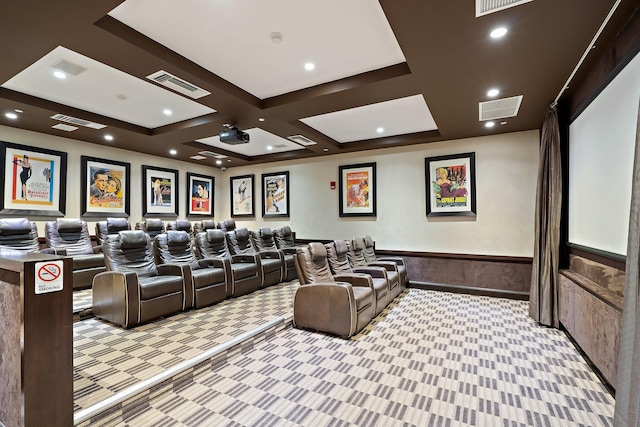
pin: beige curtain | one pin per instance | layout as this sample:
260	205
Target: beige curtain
543	295
628	389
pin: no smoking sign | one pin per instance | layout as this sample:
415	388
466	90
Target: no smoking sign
49	277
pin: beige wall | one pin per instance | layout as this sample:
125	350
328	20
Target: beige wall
506	168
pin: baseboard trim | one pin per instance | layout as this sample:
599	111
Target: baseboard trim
500	293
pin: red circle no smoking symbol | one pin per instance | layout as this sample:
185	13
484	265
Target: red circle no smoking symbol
49	272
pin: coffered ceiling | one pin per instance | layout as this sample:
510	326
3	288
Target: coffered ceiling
157	75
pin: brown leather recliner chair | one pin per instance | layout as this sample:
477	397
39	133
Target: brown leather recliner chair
284	238
370	256
271	262
339	264
18	235
243	271
342	305
357	259
110	226
70	237
227	225
263	240
208	279
134	289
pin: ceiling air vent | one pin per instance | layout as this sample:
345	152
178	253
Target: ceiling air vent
177	84
69	67
66	128
302	140
212	154
77	121
485	7
500	108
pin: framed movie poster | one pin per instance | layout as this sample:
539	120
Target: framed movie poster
358	190
242	196
105	187
159	191
451	185
200	188
275	195
34	181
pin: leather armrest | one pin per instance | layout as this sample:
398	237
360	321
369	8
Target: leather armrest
373	271
97	249
289	251
184	271
250	258
272	254
397	260
53	251
215	262
389	265
116	297
327	307
355	279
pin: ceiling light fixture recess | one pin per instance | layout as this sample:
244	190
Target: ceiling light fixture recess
59	74
173	152
490	124
380	130
167	112
11	116
309	66
493	92
108	137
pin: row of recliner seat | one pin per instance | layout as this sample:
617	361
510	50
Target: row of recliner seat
344	285
215	264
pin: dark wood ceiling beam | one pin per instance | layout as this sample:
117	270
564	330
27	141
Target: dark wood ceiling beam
190	123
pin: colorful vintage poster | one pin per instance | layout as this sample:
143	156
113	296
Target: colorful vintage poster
161	188
275	195
106	189
451	185
32	179
160	191
200	196
242	195
357	190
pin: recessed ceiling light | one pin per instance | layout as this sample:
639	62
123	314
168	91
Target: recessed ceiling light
167	112
218	162
261	119
11	116
309	66
490	124
108	137
380	130
498	32
17	110
59	74
493	92
173	152
326	149
503	123
269	147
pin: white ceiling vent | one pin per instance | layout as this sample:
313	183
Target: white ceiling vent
212	154
500	108
177	84
69	67
302	140
485	7
66	128
77	121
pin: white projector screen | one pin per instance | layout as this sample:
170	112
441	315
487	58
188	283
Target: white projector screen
601	151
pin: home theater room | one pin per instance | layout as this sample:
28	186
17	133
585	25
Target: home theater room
303	213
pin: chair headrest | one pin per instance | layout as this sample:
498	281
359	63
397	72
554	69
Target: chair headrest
183	224
133	239
116	224
358	244
69	224
317	251
229	224
368	241
177	237
208	223
10	226
215	235
286	230
341	247
153	224
266	232
242	233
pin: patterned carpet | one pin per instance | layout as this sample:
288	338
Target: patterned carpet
108	359
430	359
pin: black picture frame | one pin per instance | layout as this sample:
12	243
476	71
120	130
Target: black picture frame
358	190
115	198
451	185
275	195
160	191
242	196
200	194
44	181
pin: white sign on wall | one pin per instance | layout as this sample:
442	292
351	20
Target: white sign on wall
49	277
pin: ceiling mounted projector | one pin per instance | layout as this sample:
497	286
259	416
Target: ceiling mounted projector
234	136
